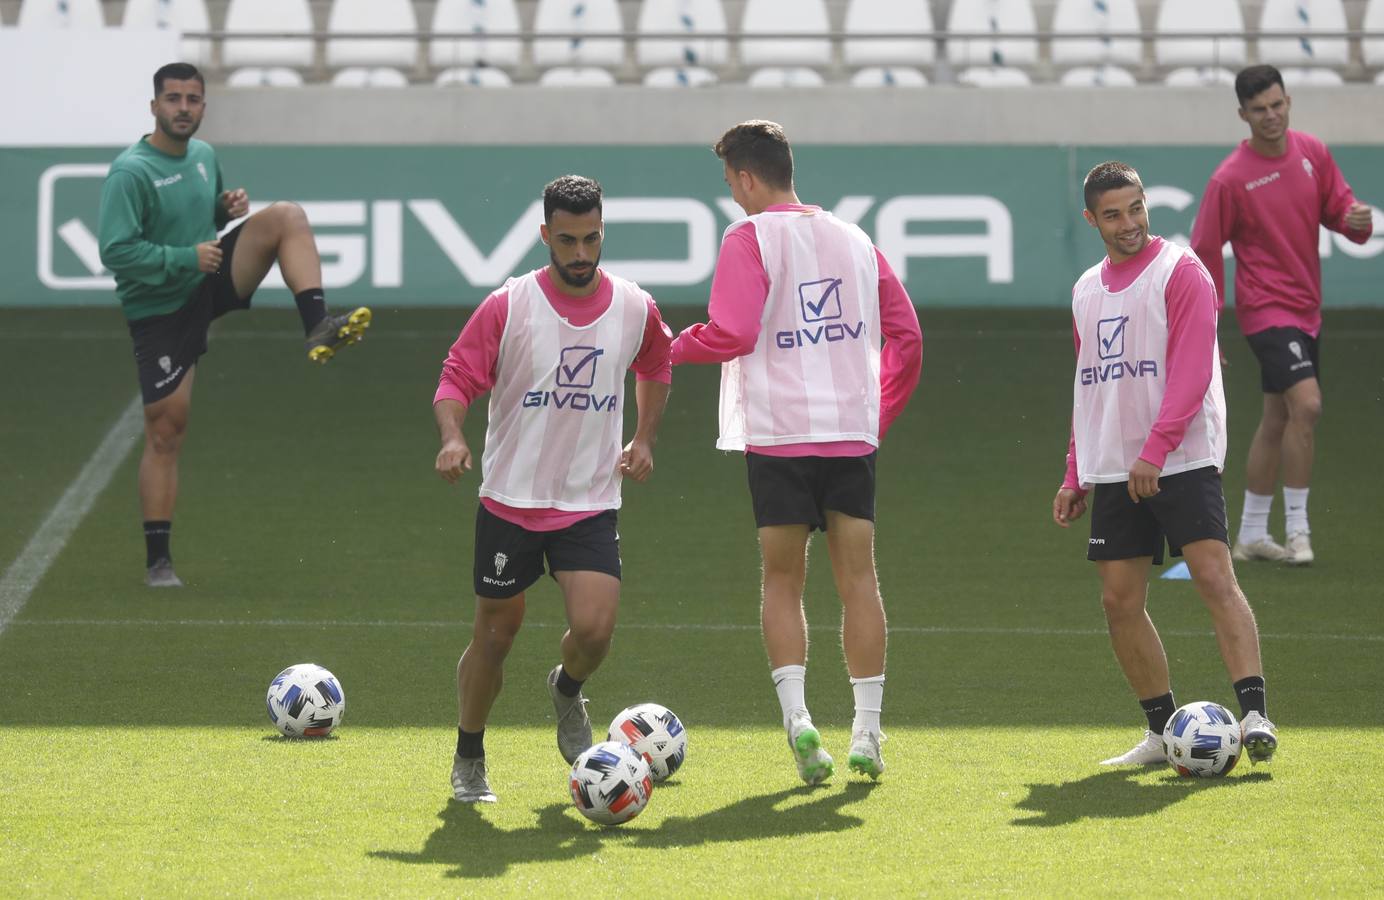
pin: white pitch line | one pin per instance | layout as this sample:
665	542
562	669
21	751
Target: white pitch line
638	626
29	567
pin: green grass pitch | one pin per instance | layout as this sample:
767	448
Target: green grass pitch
136	757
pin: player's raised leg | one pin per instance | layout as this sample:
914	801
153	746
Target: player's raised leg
864	633
165	423
592	600
480	675
281	233
1139	650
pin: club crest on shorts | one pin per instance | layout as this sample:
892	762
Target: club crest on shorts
1294	345
166	364
500	561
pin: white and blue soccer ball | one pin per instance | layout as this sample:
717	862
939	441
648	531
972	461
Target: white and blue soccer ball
610	783
655	734
1202	739
305	700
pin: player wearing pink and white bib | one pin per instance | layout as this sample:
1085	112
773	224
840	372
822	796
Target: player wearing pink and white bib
1148	443
820	348
1269	198
552	347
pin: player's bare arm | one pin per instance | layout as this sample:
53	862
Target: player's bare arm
1068	506
455	457
637	460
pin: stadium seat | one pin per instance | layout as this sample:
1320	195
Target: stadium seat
475	76
252	16
877	16
691	16
1372	49
576	17
1297	16
680	77
994	56
577	77
1200	76
370	76
1315	77
475	17
379	17
1106	17
785	77
994	76
1199	16
808	17
61	14
180	15
888	76
1098	76
255	76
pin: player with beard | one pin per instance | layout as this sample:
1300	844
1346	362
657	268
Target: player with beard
552	348
162	204
1148	434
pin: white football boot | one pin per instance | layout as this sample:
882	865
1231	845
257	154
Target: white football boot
814	764
1299	549
1148	752
1259	736
1265	549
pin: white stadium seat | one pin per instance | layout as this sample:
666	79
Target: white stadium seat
808	17
258	16
577	17
61	14
789	77
1105	17
577	77
370	76
690	16
680	77
882	16
476	76
888	77
1199	16
1098	76
1372	49
179	15
475	17
995	17
378	17
255	76
994	76
1298	16
1200	76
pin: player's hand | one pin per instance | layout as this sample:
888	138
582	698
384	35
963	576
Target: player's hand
1143	480
637	461
453	459
236	203
1359	216
1068	506
209	256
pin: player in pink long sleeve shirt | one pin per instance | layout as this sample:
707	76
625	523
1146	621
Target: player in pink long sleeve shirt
799	303
1269	198
1148	432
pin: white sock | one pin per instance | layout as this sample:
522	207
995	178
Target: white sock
869	700
1254	521
1295	509
789	683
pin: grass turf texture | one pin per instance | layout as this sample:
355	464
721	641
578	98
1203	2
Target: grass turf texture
137	757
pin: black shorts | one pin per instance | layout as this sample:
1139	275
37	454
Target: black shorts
1189	506
1286	356
798	490
168	346
509	557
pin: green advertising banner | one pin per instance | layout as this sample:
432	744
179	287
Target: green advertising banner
964	226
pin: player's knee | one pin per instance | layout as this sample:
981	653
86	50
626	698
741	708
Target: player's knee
164	435
1306	411
289	215
1120	605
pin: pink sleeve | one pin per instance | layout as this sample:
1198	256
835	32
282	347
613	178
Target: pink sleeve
469	369
739	290
901	361
1215	220
1337	199
652	362
1191	352
1070	480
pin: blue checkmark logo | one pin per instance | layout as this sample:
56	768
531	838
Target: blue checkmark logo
1111	334
577	368
820	300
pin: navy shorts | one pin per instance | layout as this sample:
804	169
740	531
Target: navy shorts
509	558
168	346
1189	506
1286	356
798	490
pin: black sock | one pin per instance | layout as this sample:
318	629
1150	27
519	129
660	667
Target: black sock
156	539
566	685
1159	710
470	744
1250	692
312	307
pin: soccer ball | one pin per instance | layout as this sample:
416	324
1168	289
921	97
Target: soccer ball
1202	739
610	783
655	734
305	701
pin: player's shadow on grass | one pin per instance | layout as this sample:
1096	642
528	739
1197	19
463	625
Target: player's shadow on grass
1116	794
470	842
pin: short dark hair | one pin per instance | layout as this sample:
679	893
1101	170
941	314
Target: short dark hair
1109	176
1256	80
571	193
761	148
178	71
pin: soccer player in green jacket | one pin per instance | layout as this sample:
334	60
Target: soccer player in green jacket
162	205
